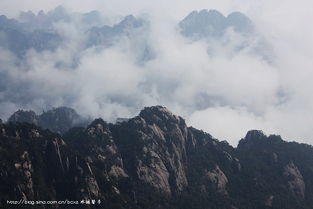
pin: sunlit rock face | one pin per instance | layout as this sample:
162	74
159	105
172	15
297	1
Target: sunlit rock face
295	180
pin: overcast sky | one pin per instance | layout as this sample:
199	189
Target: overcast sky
250	88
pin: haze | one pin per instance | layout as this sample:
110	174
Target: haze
242	91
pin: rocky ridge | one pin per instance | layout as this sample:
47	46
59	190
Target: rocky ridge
153	160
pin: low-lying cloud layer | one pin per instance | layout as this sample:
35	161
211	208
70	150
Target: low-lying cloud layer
225	93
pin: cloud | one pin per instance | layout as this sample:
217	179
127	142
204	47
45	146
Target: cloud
236	121
225	94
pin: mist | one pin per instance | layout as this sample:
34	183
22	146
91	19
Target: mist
225	93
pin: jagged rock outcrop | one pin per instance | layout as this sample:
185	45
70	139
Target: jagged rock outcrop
295	180
218	179
37	165
24	168
153	161
100	147
166	136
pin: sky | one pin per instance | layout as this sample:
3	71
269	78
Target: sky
249	93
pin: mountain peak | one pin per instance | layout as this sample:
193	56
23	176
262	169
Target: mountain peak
255	134
212	12
98	121
252	139
161	116
59	10
24	116
58	119
6	22
212	23
240	22
62	110
155	110
129	18
130	21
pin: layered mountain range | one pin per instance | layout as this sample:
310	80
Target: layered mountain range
212	23
69	45
235	32
40	31
153	160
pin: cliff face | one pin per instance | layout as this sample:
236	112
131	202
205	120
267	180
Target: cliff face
153	161
39	165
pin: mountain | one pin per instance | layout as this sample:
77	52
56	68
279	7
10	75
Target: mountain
58	120
213	24
39	31
153	160
131	28
31	31
92	18
44	21
229	34
16	38
107	35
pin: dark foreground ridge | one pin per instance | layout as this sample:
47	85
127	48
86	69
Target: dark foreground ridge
152	161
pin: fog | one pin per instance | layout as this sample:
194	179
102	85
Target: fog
225	94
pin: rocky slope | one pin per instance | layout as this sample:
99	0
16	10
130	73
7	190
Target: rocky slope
153	161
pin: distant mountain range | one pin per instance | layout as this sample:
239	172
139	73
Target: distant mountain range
213	24
106	35
236	32
153	160
31	31
37	32
58	120
18	39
